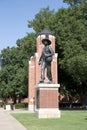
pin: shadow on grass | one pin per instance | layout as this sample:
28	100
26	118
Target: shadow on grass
85	118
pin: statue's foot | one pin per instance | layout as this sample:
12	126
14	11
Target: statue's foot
50	82
42	81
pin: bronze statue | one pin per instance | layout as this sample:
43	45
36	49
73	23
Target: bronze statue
45	60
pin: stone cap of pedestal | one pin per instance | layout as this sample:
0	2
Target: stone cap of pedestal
44	85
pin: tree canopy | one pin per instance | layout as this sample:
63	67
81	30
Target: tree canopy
14	72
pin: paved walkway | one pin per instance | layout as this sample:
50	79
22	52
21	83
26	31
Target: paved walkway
7	122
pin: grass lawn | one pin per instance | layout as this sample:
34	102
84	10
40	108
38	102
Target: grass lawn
70	120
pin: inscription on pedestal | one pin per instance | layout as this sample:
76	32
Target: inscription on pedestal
47	100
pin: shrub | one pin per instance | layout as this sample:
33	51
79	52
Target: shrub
21	105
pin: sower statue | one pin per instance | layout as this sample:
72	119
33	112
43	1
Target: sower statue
45	60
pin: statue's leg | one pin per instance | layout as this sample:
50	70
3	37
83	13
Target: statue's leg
43	72
49	74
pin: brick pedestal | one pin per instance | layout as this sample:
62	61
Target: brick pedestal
47	101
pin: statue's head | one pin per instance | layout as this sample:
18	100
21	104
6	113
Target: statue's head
46	41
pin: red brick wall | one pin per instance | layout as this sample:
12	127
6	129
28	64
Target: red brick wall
31	83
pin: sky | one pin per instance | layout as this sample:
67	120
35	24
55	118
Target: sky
14	17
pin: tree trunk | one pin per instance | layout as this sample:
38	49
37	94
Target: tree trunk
19	99
85	94
14	99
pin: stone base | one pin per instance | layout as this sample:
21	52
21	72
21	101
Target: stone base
47	101
48	113
8	107
31	108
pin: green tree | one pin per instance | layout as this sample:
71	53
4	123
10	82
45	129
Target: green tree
75	2
71	33
12	62
44	19
14	72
